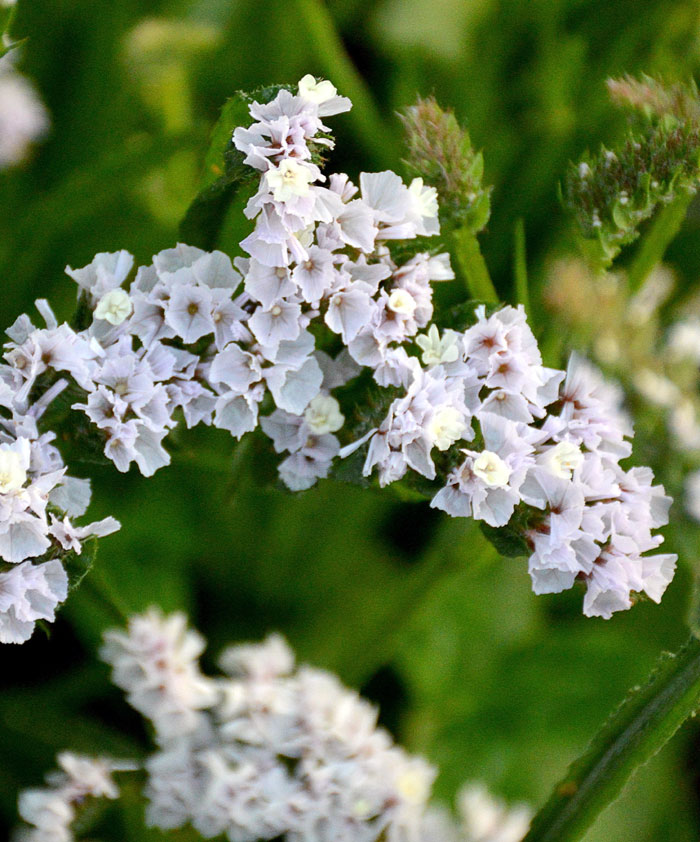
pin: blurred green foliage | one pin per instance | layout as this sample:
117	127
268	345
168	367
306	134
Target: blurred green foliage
489	681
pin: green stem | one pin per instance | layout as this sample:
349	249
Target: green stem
7	16
335	63
646	720
472	266
662	232
520	266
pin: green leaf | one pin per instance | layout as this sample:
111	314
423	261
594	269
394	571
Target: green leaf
224	173
78	566
508	540
642	725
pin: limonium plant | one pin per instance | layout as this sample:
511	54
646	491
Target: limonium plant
323	338
322	314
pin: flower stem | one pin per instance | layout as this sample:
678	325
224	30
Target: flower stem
334	61
642	725
662	232
472	266
520	266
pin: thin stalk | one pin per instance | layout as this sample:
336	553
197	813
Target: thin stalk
335	63
662	232
472	266
642	725
522	293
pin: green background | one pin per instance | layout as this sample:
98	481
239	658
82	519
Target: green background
470	668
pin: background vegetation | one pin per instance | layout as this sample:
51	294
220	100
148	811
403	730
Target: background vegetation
470	668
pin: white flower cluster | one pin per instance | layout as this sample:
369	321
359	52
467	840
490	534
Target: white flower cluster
51	810
37	498
673	384
23	117
265	751
268	751
548	439
677	392
198	337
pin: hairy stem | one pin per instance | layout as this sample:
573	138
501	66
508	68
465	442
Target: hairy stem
642	725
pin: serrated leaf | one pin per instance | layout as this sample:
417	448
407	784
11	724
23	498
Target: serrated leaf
508	540
78	566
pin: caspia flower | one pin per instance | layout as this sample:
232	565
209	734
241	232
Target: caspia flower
198	338
272	751
432	414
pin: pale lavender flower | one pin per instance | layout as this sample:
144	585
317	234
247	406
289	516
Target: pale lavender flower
29	592
155	662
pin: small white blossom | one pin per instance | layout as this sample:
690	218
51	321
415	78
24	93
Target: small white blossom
486	819
438	350
401	302
114	307
289	179
491	469
446	426
323	415
13	470
562	459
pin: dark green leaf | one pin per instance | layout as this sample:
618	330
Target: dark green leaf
78	566
508	540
